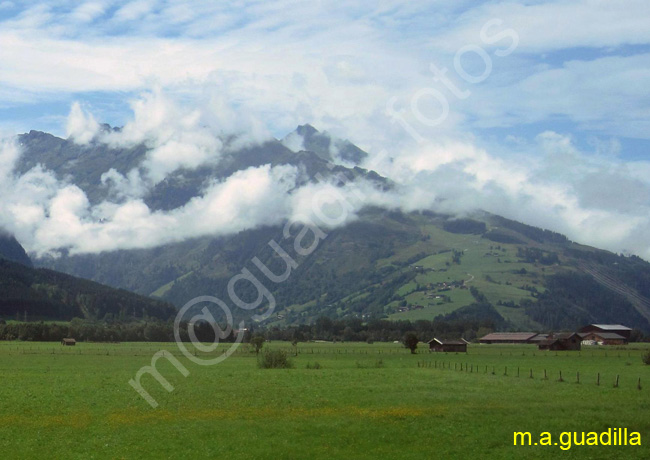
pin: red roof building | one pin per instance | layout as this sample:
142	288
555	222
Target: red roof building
509	337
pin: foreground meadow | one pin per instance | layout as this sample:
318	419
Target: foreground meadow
361	401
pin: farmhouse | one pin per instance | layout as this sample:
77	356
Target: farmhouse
69	342
448	345
509	337
603	338
612	328
561	341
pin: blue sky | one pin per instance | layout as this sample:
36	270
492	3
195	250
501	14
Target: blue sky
540	85
584	71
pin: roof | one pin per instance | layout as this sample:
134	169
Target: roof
510	336
447	342
607	335
564	335
539	337
611	327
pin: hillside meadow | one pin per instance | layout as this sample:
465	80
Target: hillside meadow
342	400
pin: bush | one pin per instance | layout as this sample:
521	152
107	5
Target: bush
258	343
274	359
316	365
646	358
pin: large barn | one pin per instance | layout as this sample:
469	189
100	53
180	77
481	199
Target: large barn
509	337
603	338
611	328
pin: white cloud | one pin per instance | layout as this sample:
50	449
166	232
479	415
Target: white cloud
294	142
47	215
88	11
9	155
597	200
134	10
554	25
178	137
81	125
126	186
605	96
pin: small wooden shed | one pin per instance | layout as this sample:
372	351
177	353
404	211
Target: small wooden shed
68	342
459	346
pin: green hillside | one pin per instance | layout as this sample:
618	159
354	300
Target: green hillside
401	266
40	294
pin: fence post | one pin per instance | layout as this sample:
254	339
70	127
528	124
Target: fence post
506	372
638	384
616	383
578	377
545	377
598	380
561	379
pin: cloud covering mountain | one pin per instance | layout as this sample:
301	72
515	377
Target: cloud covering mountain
537	111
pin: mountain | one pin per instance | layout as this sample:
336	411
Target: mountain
387	264
84	165
401	266
28	293
11	250
323	145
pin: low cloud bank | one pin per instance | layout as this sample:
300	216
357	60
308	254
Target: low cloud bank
593	197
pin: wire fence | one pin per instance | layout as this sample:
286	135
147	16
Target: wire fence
598	379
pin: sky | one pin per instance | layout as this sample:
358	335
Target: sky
535	110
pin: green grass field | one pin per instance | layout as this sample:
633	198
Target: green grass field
366	401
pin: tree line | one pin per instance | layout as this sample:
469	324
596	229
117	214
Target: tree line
324	328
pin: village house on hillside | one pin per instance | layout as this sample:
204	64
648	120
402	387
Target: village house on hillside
608	328
509	337
440	345
562	341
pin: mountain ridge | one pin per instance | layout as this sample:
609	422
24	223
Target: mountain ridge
10	249
39	293
385	264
